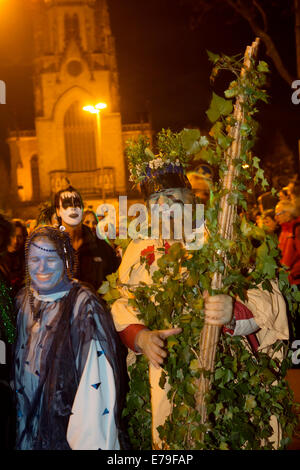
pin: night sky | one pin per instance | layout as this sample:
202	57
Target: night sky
163	64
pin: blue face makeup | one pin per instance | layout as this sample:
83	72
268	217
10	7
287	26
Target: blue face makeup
46	268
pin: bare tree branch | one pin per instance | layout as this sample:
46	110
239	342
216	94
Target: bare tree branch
263	14
248	10
243	9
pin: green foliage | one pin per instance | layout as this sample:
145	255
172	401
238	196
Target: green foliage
138	407
7	318
247	388
218	107
173	148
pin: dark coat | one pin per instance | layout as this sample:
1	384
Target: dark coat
95	259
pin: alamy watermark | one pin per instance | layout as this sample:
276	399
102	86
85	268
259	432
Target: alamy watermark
296	352
2	92
296	94
178	221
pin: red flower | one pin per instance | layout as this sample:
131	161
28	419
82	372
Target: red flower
148	254
167	247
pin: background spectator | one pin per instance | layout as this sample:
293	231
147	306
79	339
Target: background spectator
89	219
12	261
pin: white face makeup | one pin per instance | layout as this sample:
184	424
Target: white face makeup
70	209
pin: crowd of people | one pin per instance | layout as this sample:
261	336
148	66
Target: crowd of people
66	350
280	215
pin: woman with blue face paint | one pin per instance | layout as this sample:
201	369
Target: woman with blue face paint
69	378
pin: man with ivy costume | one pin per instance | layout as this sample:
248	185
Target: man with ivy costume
262	319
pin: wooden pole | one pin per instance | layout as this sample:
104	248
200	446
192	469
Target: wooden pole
210	334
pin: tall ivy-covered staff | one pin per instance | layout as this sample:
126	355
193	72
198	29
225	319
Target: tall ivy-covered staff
211	332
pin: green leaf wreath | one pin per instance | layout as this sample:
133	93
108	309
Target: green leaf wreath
247	388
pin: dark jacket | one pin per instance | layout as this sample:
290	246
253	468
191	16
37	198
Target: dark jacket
95	259
7	336
12	266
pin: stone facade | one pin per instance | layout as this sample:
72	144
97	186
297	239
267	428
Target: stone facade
74	65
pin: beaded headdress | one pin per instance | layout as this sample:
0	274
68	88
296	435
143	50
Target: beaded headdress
163	170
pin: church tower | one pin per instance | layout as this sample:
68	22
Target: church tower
74	65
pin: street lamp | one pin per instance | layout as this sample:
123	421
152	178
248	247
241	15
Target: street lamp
97	110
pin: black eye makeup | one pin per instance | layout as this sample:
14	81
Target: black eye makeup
73	201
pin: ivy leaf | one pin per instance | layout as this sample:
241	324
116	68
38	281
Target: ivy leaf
297	296
270	267
213	57
259	174
218	107
245	227
263	66
228	376
113	278
262	250
273	192
172	341
175	251
190	140
255	162
219	374
149	153
223	446
231	92
266	285
112	294
103	289
207	155
163	379
224	141
216	130
194	364
250	403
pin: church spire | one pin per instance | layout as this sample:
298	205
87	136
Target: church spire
70	33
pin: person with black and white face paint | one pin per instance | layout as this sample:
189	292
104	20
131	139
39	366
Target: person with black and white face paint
262	319
70	208
95	258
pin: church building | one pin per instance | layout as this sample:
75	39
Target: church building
74	66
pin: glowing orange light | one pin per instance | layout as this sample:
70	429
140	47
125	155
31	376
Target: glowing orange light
95	109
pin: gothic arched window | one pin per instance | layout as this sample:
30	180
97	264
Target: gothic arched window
35	178
75	26
79	133
72	27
